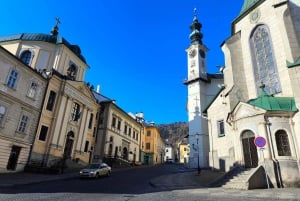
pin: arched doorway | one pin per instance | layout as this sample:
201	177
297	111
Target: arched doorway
69	145
125	153
249	149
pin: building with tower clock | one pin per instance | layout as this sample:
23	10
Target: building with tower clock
260	96
202	88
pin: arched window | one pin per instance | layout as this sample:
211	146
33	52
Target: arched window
282	142
72	72
265	68
26	57
75	115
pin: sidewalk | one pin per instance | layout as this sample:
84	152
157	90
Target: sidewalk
186	179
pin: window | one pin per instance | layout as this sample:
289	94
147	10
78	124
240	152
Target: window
2	114
86	147
119	124
137	136
51	101
12	79
125	129
221	131
148	133
94	132
113	123
72	72
129	132
23	124
43	133
75	115
26	57
148	146
265	69
32	90
91	120
282	142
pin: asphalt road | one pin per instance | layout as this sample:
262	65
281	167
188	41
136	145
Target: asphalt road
130	181
132	185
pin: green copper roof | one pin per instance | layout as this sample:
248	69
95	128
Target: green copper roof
272	103
54	39
296	63
248	4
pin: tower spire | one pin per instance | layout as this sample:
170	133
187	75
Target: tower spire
196	35
54	31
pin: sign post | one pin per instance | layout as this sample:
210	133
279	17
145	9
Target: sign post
260	142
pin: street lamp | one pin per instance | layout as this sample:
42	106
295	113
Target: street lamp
197	135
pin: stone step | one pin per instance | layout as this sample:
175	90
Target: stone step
239	186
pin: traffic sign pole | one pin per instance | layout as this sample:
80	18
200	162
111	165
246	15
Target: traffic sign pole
260	142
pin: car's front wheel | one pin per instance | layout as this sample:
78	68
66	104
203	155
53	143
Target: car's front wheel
97	175
108	173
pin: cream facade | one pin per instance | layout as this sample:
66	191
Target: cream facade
21	99
184	153
67	124
260	97
118	134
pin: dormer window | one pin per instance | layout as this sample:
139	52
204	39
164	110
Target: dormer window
26	57
72	72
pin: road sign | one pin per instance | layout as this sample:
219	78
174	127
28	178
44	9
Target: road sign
260	141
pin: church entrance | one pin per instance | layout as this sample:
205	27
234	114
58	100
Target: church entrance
69	145
249	149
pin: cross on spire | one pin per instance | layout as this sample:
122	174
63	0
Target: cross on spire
195	13
57	21
55	28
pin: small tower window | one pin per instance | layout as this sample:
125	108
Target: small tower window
72	72
26	57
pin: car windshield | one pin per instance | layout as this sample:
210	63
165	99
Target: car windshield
93	166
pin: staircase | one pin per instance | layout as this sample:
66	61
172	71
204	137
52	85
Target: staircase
239	180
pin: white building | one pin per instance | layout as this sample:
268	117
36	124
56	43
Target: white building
261	94
202	88
169	154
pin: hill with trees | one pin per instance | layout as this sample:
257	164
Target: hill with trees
173	132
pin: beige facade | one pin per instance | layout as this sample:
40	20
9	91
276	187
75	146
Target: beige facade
118	135
21	99
236	117
66	127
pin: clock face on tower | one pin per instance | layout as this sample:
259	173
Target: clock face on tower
192	53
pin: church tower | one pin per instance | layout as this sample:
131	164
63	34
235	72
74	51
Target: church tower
202	87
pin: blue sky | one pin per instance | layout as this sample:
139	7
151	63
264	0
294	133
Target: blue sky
135	48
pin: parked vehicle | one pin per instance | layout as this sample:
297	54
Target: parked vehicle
95	170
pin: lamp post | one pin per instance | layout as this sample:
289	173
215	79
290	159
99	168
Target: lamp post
197	135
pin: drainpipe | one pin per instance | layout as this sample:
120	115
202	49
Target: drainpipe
269	134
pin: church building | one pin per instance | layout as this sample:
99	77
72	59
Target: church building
254	121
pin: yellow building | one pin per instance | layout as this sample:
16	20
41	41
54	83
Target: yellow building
153	146
184	153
